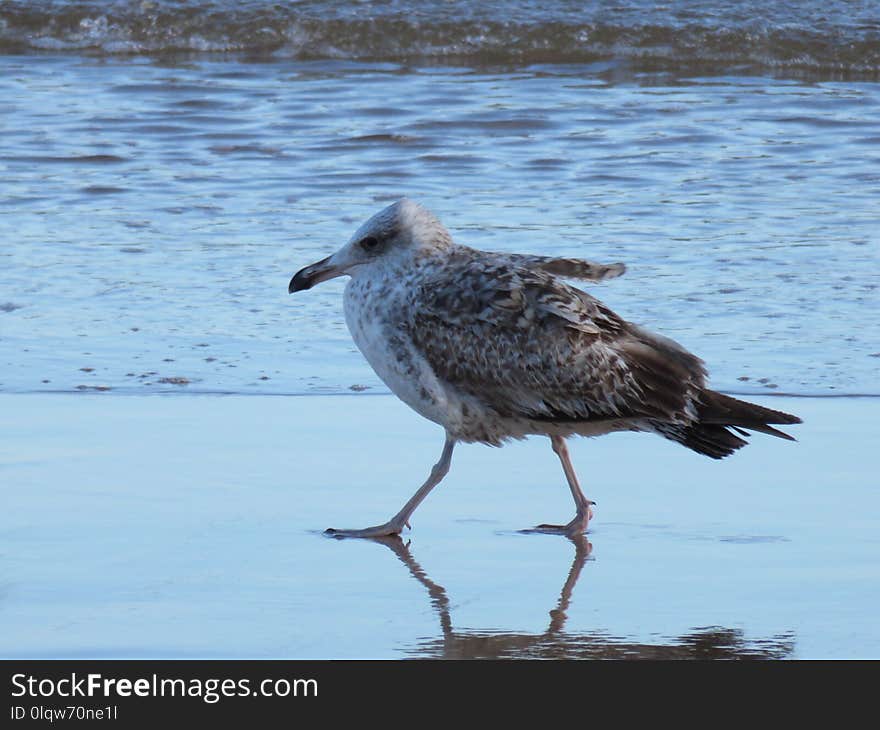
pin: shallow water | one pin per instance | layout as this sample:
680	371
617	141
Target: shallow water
154	212
187	527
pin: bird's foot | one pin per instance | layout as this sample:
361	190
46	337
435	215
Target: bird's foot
569	530
389	529
578	526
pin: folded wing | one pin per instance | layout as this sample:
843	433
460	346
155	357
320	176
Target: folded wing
529	345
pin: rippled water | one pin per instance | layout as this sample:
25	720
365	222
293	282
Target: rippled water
152	214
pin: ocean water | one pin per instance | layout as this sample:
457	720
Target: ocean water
165	167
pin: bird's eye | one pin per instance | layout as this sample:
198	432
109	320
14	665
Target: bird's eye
369	243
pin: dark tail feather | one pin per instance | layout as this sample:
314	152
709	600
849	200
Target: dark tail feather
717	414
722	409
708	439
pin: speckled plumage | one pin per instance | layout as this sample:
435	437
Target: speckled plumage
494	346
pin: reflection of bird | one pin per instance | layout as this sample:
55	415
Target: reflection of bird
494	346
557	643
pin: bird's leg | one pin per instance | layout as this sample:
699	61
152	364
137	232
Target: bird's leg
395	525
583	505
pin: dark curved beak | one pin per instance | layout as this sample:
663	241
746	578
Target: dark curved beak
309	276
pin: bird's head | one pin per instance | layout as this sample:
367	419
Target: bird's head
394	237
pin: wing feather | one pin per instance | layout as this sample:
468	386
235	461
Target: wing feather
568	268
529	345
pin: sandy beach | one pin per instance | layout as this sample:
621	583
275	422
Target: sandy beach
190	526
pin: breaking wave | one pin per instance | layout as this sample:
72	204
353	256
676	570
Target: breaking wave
812	38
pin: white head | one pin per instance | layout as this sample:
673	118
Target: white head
396	236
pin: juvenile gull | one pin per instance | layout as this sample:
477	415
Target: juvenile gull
495	346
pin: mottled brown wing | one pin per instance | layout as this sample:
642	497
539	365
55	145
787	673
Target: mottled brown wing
568	268
529	345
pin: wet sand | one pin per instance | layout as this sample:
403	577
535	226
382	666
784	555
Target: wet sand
189	526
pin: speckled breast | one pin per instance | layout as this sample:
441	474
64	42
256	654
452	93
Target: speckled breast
376	316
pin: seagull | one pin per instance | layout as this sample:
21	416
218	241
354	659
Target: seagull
497	346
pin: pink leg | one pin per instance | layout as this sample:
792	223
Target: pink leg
583	506
395	525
